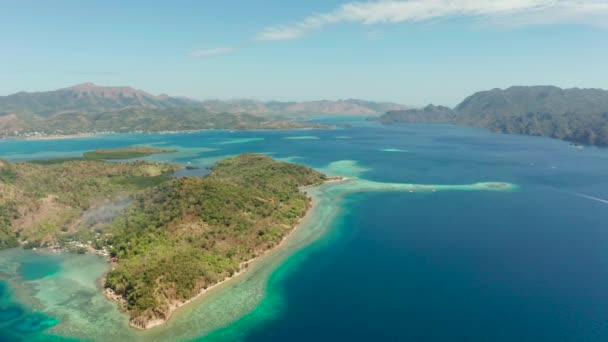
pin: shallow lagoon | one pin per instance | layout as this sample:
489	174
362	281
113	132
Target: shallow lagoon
383	250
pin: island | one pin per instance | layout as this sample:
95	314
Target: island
126	153
145	222
579	116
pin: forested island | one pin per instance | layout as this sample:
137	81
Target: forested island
146	222
576	115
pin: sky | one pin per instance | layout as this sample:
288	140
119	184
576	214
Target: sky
412	52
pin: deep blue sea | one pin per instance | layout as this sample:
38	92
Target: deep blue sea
527	265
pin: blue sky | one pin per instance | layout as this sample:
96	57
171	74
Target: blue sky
414	52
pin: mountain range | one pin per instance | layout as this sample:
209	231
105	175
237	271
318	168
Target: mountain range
325	107
576	115
90	98
87	98
88	108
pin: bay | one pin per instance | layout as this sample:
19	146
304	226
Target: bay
527	265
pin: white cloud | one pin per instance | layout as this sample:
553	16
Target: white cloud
212	52
504	12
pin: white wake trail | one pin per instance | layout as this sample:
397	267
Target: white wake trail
597	199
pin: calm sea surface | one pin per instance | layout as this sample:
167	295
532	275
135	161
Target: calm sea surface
525	265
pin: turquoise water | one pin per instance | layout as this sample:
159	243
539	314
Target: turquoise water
417	245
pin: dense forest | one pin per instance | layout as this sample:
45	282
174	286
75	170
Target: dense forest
209	226
576	115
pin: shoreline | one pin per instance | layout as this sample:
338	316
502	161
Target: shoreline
53	136
187	131
174	307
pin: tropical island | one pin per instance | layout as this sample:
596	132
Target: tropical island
576	115
126	153
146	222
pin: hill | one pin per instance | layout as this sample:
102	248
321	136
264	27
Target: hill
576	115
87	98
44	203
148	223
90	108
139	119
208	226
325	107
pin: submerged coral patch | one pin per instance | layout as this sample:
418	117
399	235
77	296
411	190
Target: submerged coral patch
34	323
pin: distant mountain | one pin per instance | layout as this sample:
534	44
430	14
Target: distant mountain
428	114
140	119
87	98
90	99
339	107
87	108
576	115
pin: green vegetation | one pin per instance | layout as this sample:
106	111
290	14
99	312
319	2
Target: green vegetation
576	115
88	108
40	203
125	153
208	226
140	119
144	119
100	154
8	213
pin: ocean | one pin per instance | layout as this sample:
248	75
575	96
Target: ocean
409	249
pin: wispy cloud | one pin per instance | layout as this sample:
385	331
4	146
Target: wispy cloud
505	12
212	52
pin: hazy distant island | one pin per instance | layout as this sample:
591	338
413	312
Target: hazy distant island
576	115
89	108
146	222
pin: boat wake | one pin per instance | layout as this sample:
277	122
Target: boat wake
597	199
